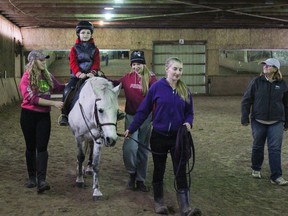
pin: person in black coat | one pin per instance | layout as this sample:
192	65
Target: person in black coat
265	102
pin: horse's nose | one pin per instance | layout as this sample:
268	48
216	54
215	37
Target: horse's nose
110	141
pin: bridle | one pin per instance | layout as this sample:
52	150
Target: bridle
98	124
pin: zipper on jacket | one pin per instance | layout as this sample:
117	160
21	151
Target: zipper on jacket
269	101
170	124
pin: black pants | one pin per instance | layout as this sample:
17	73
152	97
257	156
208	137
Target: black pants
163	144
36	129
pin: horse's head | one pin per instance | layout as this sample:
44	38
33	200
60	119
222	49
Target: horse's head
95	115
106	108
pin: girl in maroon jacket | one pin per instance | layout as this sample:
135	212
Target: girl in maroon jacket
136	84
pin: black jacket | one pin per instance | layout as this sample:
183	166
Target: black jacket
265	100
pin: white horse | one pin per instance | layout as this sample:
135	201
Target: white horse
93	121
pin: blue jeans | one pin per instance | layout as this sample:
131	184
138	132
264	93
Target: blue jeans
274	135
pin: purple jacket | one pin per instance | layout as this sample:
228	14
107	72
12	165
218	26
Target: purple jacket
169	110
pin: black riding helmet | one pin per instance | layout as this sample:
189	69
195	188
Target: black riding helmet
84	25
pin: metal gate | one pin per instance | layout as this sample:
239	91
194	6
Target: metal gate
193	56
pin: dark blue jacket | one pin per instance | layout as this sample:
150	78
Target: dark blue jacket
85	55
170	111
265	101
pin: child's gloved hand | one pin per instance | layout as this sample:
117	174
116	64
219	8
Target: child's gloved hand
90	75
82	76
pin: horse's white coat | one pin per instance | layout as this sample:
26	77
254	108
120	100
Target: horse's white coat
96	93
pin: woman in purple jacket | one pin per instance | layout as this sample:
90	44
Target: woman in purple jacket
171	104
36	87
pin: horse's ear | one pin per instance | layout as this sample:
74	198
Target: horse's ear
117	89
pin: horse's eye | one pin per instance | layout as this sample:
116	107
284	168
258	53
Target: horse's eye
100	110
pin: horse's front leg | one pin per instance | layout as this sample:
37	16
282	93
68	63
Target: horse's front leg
96	166
80	168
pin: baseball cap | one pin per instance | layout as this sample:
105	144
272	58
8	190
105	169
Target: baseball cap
272	62
37	55
137	56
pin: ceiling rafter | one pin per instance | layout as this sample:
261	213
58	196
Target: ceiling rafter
148	13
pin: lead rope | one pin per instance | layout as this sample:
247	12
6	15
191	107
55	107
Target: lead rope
189	166
144	146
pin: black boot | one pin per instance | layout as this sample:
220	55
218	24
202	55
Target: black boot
63	120
160	208
31	168
68	95
42	161
183	198
131	182
140	186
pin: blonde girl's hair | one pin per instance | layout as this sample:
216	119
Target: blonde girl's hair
35	73
277	75
145	80
181	87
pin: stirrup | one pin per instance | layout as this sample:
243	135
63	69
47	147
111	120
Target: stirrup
63	120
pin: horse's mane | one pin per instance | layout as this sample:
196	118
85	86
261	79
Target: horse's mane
99	83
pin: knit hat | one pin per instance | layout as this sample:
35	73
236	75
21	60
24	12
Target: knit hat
37	55
272	62
137	56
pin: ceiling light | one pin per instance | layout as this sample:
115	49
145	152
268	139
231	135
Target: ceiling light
108	8
108	16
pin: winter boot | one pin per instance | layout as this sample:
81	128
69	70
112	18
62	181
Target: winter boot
140	186
42	161
68	96
63	120
160	208
183	198
131	182
31	168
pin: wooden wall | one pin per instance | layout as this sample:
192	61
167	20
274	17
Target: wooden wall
216	39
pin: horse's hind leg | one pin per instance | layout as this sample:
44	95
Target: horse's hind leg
89	149
80	168
96	166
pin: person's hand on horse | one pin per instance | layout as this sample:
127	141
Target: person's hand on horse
90	75
95	73
58	104
82	76
98	73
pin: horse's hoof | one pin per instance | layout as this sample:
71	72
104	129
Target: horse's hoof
95	198
80	184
